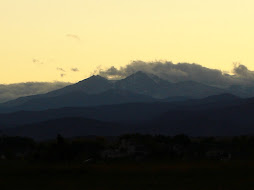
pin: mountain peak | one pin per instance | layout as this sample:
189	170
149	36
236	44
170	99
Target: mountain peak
93	78
145	77
92	85
139	75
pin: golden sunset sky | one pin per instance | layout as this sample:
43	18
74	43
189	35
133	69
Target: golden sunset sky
39	36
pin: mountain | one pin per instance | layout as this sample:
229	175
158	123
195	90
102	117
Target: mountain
152	85
96	90
67	127
143	83
242	91
121	113
126	112
194	90
232	117
78	99
219	122
92	85
140	103
211	102
201	118
176	99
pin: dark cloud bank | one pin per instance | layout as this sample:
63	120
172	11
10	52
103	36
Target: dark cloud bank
13	91
184	72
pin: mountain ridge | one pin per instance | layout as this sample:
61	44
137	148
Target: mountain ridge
97	89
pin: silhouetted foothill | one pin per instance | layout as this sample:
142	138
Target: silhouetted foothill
181	139
60	140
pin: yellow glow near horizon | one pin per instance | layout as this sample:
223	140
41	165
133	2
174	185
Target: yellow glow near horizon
86	34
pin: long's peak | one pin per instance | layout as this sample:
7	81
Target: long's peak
143	76
139	73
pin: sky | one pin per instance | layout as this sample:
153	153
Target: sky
66	40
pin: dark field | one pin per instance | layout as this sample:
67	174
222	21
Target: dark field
129	175
127	162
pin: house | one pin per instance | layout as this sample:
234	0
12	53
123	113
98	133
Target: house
218	155
126	148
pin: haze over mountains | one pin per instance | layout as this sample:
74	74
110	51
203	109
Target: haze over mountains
141	102
12	91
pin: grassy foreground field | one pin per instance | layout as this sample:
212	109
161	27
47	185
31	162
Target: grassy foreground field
135	175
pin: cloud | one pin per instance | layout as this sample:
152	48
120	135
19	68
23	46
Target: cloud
243	72
37	61
60	69
75	69
73	36
183	72
62	75
13	91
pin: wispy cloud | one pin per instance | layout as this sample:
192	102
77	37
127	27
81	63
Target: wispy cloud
62	75
37	61
73	36
75	69
60	69
243	72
